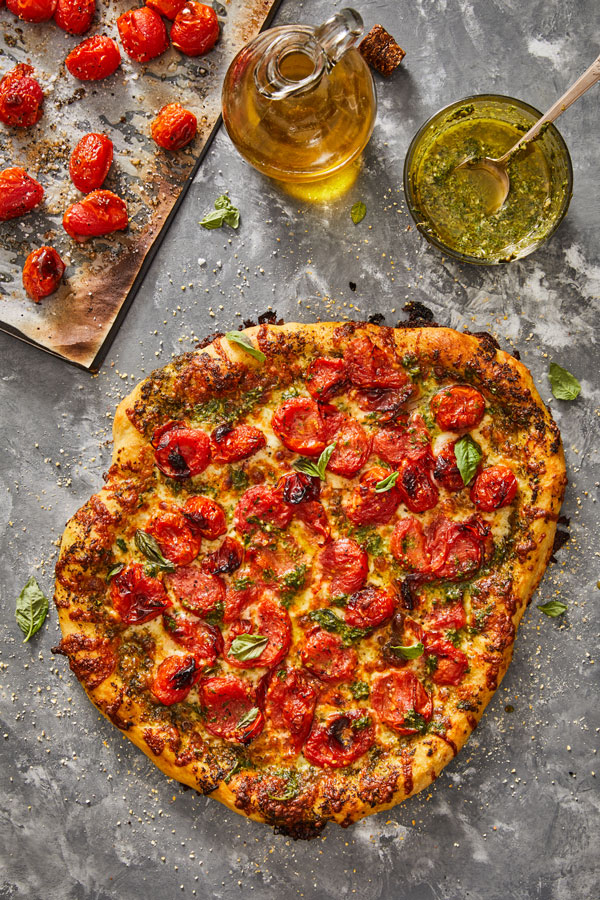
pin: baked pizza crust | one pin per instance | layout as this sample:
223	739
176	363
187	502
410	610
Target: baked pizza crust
404	767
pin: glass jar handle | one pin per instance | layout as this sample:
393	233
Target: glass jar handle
339	33
325	46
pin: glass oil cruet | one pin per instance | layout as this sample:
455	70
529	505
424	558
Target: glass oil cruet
299	102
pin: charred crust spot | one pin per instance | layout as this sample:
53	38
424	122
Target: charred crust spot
419	315
112	711
91	659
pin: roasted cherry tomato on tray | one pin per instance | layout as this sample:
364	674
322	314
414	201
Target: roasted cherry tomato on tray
21	98
75	16
167	8
196	29
32	10
174	127
98	214
95	58
143	34
42	272
19	193
90	161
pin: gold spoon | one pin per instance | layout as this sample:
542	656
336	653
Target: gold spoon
491	173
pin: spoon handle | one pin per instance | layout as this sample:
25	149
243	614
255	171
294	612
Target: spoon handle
583	83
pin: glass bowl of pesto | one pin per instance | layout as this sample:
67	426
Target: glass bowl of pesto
448	206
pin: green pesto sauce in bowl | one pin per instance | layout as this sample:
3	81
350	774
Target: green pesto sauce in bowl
450	206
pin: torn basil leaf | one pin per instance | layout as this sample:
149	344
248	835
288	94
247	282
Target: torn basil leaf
148	546
248	646
243	341
32	609
468	456
564	385
316	469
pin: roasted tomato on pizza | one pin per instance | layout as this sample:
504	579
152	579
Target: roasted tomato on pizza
300	585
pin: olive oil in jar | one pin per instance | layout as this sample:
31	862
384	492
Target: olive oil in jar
299	103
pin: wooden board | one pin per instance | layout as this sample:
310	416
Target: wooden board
79	320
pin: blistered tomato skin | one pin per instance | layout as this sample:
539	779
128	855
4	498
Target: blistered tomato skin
345	565
231	444
199	592
494	488
174	127
397	693
206	516
226	559
369	608
183	452
21	98
19	193
203	641
98	214
325	378
75	16
42	272
137	597
449	663
167	8
408	546
32	10
143	34
325	655
95	58
446	471
458	408
289	704
90	161
368	507
415	486
370	366
352	449
299	426
195	29
261	509
177	541
229	701
174	679
341	739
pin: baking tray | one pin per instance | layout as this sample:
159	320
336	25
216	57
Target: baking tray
78	322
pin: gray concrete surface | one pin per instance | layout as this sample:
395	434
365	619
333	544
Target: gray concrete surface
85	816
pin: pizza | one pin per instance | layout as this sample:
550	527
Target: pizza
300	584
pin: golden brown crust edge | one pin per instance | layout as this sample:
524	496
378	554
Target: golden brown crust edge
488	367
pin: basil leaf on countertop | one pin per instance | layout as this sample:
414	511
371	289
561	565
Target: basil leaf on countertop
468	456
148	545
358	212
564	385
316	469
238	337
412	652
32	609
224	213
386	484
553	608
248	646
